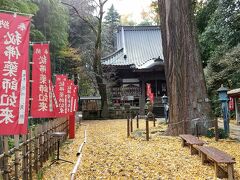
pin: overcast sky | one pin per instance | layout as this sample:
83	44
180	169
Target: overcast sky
130	7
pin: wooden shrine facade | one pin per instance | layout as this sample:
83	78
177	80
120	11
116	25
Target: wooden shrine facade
137	61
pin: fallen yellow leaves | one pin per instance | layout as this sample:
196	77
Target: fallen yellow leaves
109	154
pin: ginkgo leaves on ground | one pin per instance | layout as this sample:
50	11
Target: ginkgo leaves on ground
109	154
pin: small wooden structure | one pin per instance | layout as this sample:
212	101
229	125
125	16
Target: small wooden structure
235	94
91	107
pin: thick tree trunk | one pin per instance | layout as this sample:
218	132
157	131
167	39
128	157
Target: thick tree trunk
97	66
183	68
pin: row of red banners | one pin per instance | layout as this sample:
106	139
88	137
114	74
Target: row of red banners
47	101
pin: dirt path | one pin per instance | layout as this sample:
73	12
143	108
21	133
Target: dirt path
108	154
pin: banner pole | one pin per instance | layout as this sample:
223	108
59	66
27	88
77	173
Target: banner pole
40	42
30	87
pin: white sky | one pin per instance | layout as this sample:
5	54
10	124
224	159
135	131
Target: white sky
131	7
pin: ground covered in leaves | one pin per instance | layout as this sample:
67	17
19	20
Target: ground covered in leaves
109	154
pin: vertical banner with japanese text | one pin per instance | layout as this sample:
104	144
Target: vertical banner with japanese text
60	93
70	85
42	103
14	73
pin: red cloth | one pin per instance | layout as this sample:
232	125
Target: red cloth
14	73
231	104
42	104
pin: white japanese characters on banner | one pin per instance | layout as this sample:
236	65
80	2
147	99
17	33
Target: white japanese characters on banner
61	94
75	98
42	104
70	85
14	73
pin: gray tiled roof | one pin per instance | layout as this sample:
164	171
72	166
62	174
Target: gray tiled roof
138	45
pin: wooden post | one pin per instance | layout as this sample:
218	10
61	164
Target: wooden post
17	161
44	142
30	150
137	120
47	139
36	149
40	145
147	129
128	132
154	122
5	149
230	171
24	154
216	129
1	159
51	137
131	121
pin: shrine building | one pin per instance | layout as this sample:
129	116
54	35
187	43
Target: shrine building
138	60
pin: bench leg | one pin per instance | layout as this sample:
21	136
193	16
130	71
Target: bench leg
193	150
203	158
219	172
230	171
183	143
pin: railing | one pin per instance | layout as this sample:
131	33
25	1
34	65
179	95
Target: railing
30	151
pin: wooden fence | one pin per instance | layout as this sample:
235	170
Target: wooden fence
30	151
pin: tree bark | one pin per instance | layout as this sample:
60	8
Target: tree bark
183	69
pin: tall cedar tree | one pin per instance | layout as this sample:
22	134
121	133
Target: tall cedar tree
112	21
188	99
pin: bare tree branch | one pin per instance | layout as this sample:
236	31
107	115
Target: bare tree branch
82	18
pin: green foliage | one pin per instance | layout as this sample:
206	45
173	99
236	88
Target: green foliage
52	20
68	62
36	35
112	21
221	133
112	18
218	22
204	12
10	142
23	6
224	70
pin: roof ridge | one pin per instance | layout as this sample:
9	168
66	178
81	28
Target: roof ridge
110	55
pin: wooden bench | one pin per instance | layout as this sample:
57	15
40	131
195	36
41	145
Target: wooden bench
219	158
190	140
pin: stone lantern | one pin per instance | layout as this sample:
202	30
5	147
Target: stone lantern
165	104
223	98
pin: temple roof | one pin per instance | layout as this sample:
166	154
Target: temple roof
138	46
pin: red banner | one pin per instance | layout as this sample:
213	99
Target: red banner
61	96
151	97
149	90
14	74
149	93
231	104
75	98
42	103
